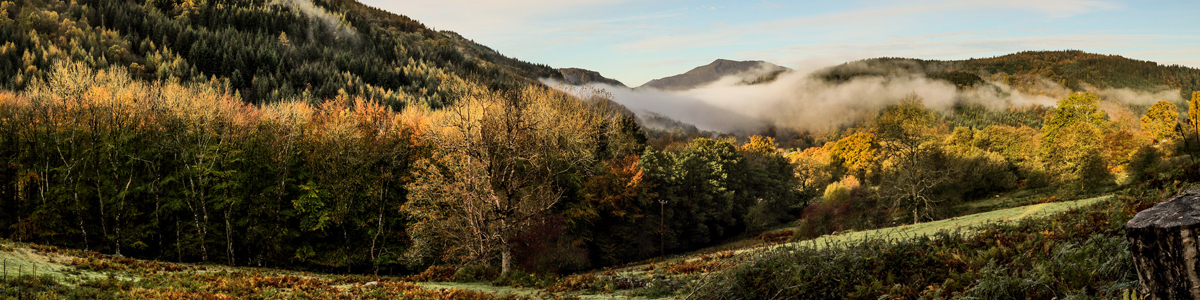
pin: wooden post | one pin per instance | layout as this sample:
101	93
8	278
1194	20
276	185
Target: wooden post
1163	241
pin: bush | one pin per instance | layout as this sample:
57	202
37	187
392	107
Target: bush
522	279
475	273
1144	163
436	273
839	192
655	289
861	211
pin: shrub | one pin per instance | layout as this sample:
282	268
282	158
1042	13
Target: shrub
839	192
436	273
475	273
1144	163
522	279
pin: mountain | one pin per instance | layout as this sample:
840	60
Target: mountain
1074	70
756	72
577	76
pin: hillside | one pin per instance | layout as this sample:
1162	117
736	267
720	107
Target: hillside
714	71
264	50
1075	70
577	76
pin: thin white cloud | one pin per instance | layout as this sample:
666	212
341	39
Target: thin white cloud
875	17
934	47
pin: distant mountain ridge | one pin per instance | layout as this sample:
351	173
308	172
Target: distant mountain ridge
577	76
714	71
1073	69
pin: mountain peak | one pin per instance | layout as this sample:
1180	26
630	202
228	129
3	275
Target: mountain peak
710	73
577	76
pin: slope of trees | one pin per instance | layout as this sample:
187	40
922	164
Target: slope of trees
1072	69
102	161
267	51
98	161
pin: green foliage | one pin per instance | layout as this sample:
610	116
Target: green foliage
1145	164
1073	69
521	279
475	273
1076	108
1069	144
836	193
267	51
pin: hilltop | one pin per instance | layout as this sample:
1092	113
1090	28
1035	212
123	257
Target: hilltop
577	76
753	71
1072	69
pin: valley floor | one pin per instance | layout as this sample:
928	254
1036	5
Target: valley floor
56	272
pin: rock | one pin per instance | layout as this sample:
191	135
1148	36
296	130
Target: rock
1163	241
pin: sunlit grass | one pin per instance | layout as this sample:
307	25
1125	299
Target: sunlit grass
962	224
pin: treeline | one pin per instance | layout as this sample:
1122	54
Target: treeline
1073	69
188	172
913	164
97	160
267	51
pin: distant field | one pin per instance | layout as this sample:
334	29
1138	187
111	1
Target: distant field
963	223
700	265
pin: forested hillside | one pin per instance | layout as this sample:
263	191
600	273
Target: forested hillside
1072	69
265	51
333	136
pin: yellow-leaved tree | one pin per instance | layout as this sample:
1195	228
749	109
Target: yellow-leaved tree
1160	121
1071	143
499	156
1194	112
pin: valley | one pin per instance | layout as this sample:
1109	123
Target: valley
332	149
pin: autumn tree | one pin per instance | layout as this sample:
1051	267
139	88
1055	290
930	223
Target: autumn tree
1194	112
1161	120
769	181
1078	107
813	170
1071	143
904	131
499	155
858	154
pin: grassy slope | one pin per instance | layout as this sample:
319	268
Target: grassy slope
964	223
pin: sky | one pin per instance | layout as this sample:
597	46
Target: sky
636	41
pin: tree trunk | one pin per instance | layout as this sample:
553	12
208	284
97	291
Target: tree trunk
1163	240
505	259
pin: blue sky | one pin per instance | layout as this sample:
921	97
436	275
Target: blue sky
636	41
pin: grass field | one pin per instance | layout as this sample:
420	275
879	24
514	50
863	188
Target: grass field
963	223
